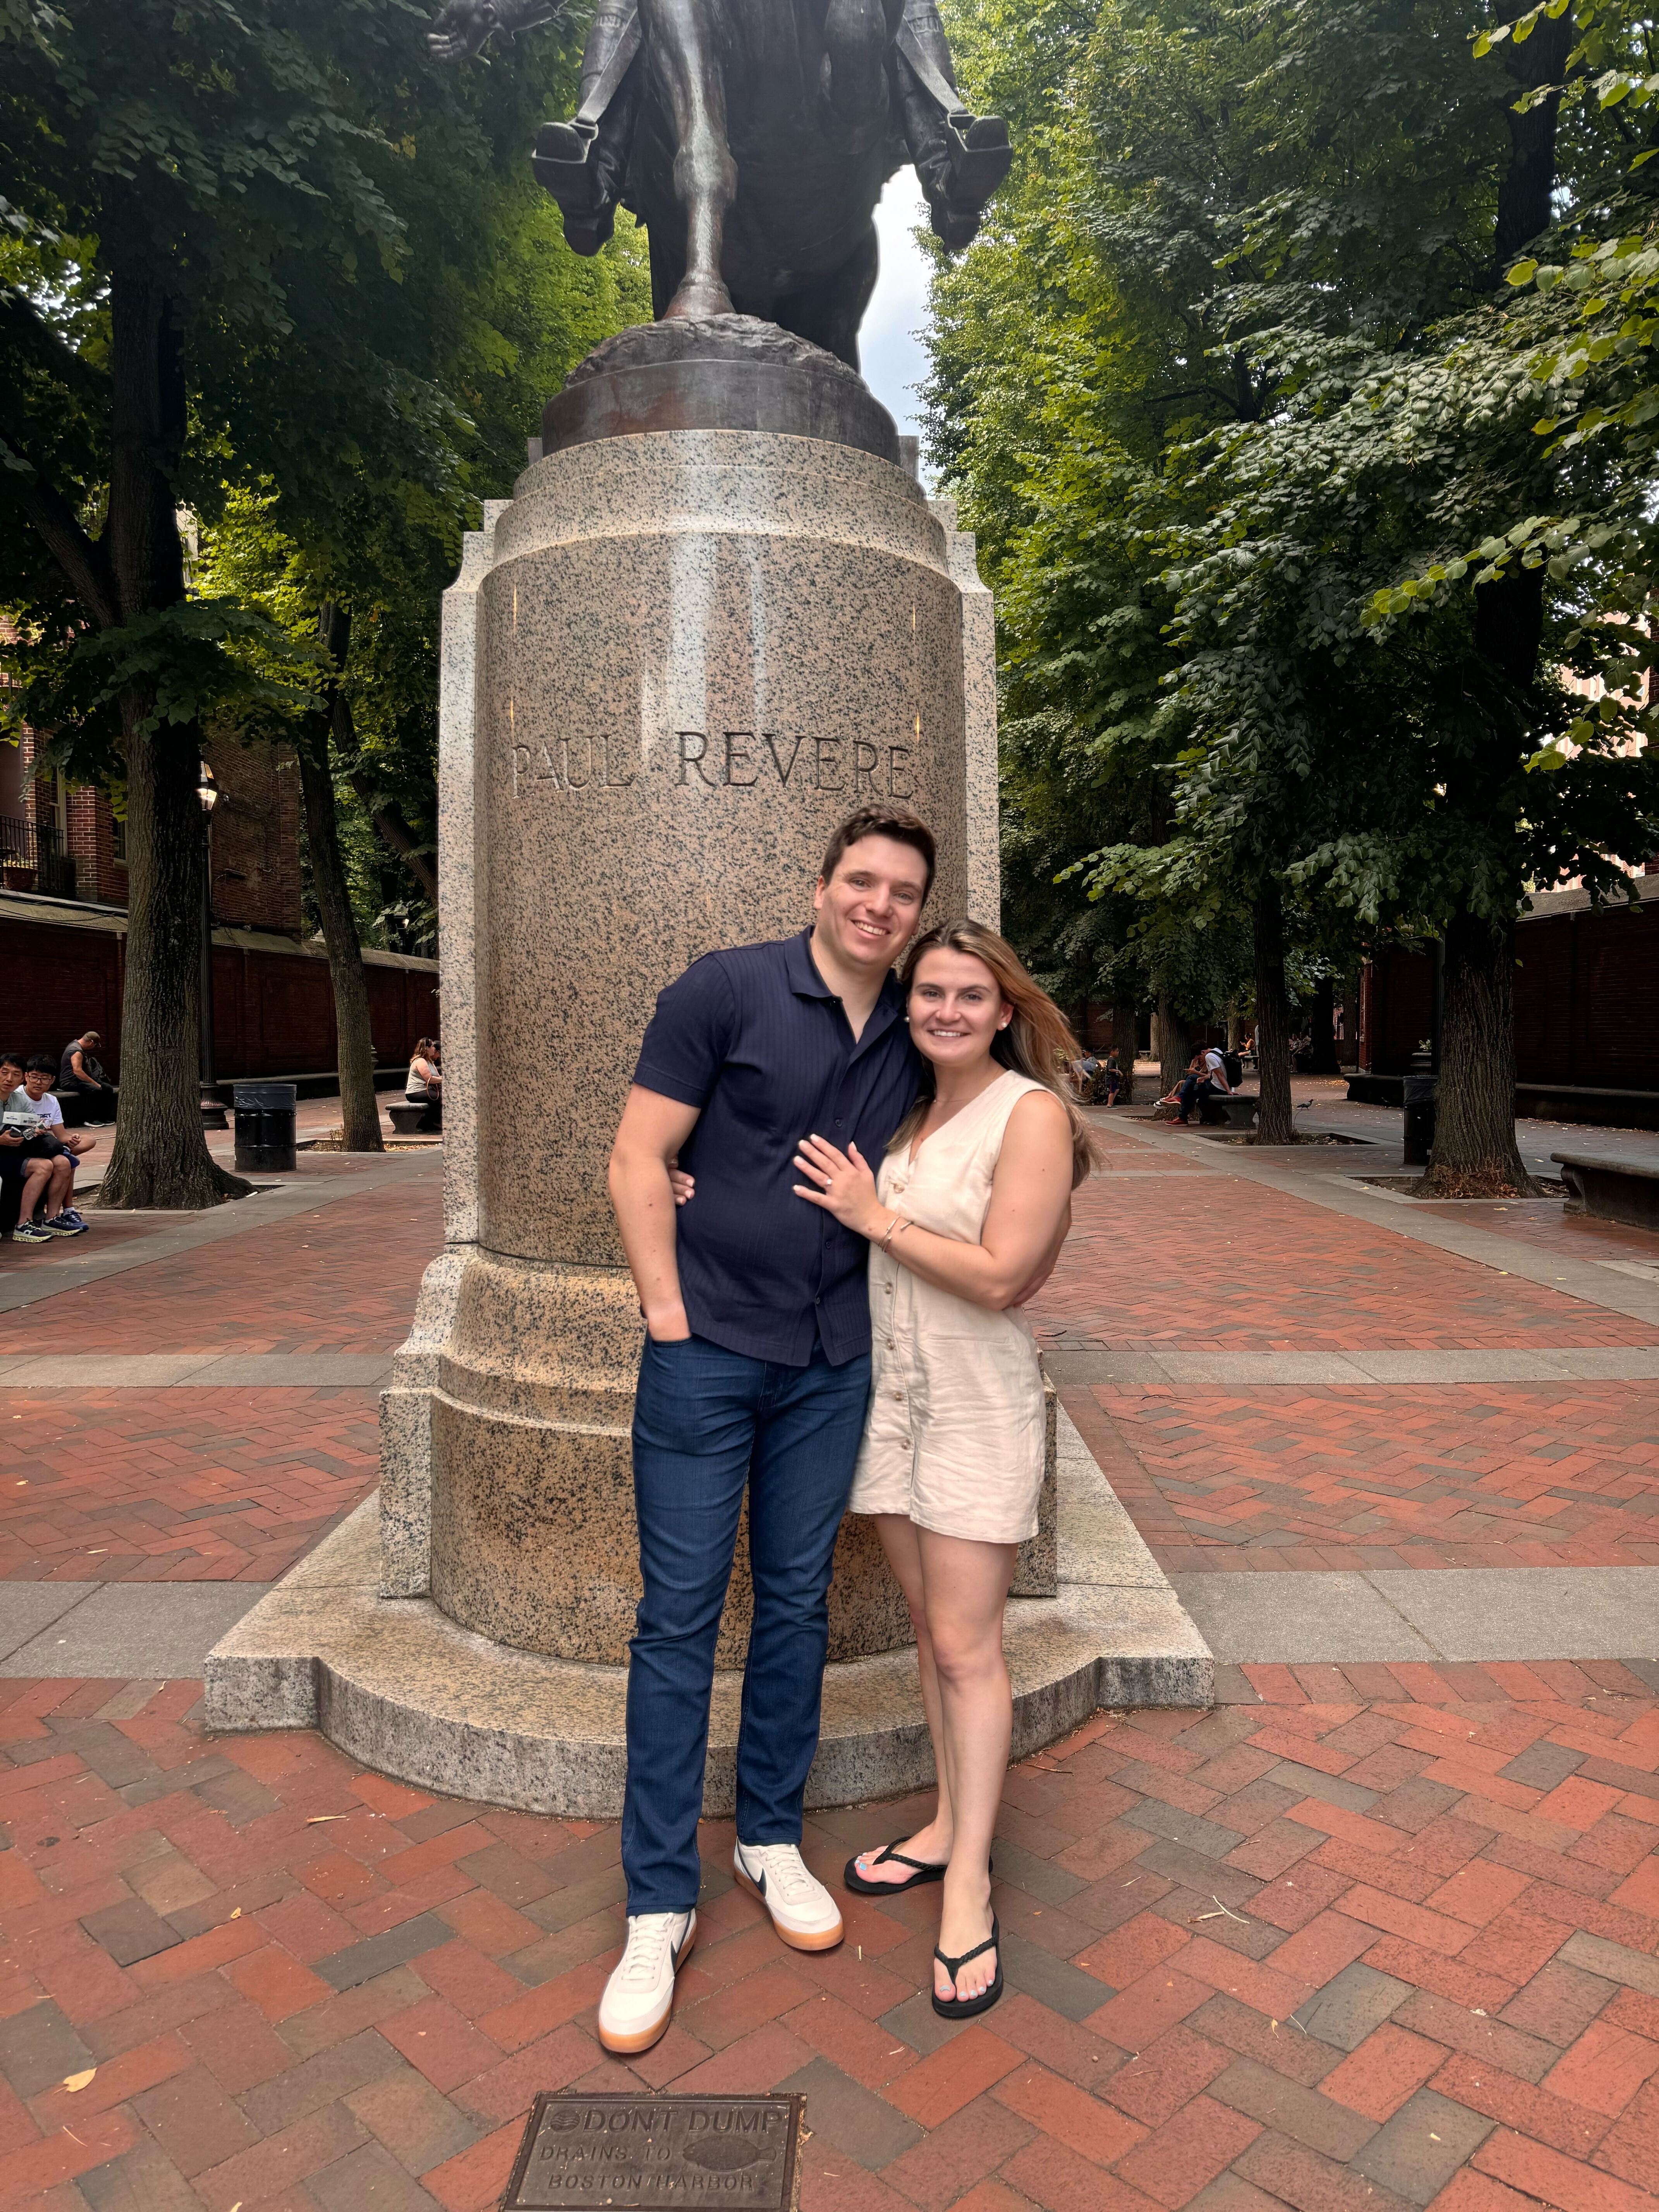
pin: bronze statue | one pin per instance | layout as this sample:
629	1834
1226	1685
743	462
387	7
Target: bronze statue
752	138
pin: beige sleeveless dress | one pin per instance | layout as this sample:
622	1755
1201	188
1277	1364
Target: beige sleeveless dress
955	1431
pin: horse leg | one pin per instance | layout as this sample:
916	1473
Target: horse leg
828	314
682	51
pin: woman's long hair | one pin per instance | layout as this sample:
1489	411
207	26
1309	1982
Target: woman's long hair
1037	1042
425	1049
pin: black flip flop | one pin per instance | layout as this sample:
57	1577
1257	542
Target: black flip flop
864	1888
966	2008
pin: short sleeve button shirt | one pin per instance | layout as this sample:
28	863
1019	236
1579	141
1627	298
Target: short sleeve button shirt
755	1039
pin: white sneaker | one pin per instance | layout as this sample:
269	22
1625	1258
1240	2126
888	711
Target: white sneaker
639	1997
803	1912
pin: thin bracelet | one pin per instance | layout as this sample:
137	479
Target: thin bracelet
894	1226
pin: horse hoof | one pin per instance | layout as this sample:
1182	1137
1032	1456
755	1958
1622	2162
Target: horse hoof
698	298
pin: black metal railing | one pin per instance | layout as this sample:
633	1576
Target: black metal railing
33	858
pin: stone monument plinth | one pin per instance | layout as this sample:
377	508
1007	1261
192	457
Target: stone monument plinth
716	616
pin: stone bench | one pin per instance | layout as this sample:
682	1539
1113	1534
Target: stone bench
1232	1112
1610	1190
416	1117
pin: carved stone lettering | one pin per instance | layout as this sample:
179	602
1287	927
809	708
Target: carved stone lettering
738	760
612	780
795	744
690	758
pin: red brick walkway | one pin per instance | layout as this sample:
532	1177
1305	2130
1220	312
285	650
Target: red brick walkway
1389	1938
341	1279
1535	1474
1182	1259
177	1486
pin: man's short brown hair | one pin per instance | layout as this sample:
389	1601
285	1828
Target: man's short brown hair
896	823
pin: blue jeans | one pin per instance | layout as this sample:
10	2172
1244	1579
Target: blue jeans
708	1425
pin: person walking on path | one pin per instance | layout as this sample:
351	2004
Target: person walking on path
754	1378
968	1211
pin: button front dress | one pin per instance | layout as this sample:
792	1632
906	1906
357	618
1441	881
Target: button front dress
955	1434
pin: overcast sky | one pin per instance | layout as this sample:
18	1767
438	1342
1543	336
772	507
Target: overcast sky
889	342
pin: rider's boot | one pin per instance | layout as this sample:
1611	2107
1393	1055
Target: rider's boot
583	163
960	157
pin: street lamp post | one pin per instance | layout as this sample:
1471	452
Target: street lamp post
212	1114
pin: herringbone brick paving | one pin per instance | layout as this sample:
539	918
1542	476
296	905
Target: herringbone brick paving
341	1279
1547	1475
177	1486
1379	1937
1195	1261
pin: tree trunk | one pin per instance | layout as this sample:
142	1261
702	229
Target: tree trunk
1125	1025
1323	1028
1474	1150
359	1113
1275	1123
1174	1051
160	1157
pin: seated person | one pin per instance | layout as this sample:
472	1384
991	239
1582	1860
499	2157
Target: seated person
426	1080
1205	1078
425	1086
1087	1069
13	1141
48	1208
81	1071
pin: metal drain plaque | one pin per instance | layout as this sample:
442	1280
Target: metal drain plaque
635	2152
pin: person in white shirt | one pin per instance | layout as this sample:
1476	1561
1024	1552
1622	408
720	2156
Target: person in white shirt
31	1110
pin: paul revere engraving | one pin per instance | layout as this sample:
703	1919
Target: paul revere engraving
732	760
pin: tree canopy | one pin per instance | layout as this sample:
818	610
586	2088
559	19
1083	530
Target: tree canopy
268	253
1234	394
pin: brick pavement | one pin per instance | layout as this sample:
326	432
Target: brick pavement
341	1279
1201	1261
1547	1474
177	1486
1379	1937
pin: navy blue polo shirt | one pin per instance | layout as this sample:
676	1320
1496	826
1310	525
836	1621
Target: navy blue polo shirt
758	1041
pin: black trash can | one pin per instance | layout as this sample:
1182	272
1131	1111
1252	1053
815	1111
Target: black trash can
1419	1119
265	1127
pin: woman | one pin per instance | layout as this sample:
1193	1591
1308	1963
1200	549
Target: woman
426	1080
972	1206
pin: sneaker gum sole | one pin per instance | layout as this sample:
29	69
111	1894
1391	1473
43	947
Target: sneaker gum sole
643	2037
797	1938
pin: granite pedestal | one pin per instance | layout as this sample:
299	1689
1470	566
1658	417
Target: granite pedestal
672	663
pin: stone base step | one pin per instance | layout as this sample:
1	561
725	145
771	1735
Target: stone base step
397	1685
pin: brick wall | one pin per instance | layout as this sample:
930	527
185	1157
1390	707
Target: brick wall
273	1007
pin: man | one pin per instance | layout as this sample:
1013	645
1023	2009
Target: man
755	1375
50	1144
80	1071
1205	1078
15	1129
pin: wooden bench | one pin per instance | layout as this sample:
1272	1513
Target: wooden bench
1610	1190
1234	1111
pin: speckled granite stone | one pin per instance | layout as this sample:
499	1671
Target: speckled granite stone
979	692
696	652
